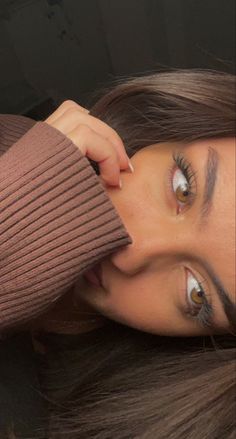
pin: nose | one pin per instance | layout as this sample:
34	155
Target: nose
153	245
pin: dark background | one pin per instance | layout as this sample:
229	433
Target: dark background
52	50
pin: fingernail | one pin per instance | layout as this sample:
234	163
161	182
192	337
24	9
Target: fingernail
131	167
120	184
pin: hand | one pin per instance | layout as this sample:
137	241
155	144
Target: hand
94	138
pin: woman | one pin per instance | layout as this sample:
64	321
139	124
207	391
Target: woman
177	113
182	190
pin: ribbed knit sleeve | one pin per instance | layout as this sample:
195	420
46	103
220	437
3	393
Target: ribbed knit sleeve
56	221
12	128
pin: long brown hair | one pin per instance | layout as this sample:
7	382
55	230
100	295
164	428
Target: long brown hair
119	383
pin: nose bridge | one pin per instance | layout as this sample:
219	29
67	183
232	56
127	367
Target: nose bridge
152	244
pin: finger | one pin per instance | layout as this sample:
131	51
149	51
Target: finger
110	134
66	105
100	150
72	117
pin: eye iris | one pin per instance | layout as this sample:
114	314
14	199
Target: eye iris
182	193
197	296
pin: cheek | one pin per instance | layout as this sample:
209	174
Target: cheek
139	303
139	203
143	192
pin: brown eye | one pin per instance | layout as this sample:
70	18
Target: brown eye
195	294
182	193
180	187
197	304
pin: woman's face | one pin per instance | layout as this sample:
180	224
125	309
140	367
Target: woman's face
178	208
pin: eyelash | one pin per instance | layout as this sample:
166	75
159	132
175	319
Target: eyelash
205	315
186	168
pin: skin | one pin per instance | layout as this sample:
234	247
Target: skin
145	282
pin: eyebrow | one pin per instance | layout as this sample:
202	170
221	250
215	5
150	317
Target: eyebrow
211	169
228	305
210	181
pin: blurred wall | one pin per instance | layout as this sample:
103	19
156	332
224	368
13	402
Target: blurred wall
53	50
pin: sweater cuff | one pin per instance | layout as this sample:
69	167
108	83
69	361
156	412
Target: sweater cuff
56	221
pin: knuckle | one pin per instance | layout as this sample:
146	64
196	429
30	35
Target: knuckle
74	105
75	110
115	137
111	133
116	142
68	104
80	108
70	110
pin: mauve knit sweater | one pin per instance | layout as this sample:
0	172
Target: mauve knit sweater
56	219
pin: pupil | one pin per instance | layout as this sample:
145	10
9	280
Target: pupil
185	193
200	293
